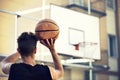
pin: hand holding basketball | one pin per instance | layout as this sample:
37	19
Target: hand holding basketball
49	43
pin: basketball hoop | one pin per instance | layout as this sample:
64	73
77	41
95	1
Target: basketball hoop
86	48
83	44
76	46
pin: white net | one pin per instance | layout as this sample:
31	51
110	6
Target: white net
88	49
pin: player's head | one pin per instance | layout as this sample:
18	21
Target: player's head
27	42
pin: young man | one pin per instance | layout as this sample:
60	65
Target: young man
28	69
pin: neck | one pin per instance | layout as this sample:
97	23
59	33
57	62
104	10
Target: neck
29	60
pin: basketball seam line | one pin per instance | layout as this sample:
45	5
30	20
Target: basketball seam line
45	30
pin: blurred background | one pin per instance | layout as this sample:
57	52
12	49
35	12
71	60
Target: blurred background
17	16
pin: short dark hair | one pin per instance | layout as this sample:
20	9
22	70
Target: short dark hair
27	42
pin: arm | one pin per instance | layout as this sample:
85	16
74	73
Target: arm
58	71
8	61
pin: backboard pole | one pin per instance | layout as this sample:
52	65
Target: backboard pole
90	70
90	62
89	6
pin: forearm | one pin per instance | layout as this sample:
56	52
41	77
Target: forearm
57	61
8	61
12	58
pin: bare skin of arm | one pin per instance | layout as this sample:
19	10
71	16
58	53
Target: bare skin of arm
58	71
8	61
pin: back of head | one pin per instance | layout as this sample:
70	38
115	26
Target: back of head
27	42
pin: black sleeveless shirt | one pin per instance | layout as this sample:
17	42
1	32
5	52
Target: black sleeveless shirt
22	71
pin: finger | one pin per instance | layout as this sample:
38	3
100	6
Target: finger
54	41
50	41
45	42
42	42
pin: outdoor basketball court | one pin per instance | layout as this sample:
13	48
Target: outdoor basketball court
79	36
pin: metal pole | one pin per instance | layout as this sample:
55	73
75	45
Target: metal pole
90	71
89	6
16	32
13	13
43	11
8	12
90	63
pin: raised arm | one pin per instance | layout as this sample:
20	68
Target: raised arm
8	61
58	71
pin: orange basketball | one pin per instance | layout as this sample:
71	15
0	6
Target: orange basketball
46	29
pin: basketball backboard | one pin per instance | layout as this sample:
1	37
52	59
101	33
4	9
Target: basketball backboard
76	29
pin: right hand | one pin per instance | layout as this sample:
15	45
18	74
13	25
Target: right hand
49	43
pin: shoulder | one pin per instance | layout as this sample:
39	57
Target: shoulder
55	74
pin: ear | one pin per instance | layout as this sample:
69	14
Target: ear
18	49
35	50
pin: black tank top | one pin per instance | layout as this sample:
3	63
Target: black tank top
22	71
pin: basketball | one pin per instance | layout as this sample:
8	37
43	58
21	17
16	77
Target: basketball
46	29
